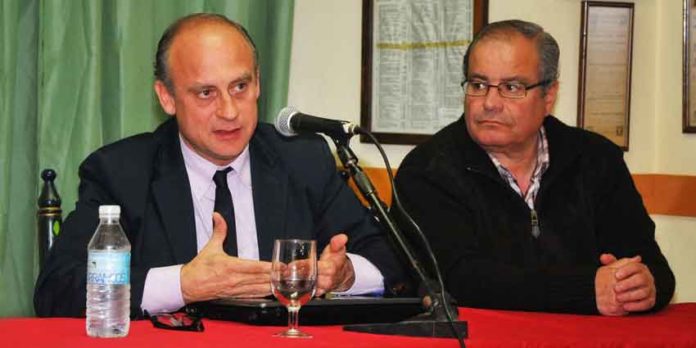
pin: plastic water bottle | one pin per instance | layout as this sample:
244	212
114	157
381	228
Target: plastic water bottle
108	277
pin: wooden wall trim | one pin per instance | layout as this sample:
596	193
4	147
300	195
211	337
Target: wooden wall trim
662	194
668	194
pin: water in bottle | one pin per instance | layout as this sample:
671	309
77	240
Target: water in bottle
108	277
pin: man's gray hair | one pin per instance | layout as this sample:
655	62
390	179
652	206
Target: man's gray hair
547	47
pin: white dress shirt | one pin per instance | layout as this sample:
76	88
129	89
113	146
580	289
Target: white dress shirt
162	292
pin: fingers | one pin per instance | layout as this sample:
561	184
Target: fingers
607	259
332	271
625	261
219	231
326	274
214	275
338	243
636	292
251	291
624	285
640	306
629	269
605	297
336	247
249	266
635	286
249	284
636	295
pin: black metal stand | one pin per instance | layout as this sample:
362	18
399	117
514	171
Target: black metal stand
433	322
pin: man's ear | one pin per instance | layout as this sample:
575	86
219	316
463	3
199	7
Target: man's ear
258	83
166	99
550	97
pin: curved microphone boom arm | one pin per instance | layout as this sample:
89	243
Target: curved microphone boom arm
439	320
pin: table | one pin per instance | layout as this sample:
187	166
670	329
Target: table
673	327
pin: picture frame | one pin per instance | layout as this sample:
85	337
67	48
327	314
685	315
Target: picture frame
689	68
604	84
412	55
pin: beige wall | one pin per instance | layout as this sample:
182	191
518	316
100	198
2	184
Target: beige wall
325	80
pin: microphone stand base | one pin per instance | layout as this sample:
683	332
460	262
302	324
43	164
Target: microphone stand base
415	328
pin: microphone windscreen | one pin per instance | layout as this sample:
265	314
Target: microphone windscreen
282	123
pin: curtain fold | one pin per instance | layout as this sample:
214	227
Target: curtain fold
18	87
77	75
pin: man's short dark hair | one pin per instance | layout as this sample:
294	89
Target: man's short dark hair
165	42
547	47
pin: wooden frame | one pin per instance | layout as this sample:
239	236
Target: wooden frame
689	70
604	88
480	15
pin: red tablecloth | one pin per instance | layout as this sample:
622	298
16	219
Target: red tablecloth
673	327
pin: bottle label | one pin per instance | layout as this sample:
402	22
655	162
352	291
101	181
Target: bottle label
108	268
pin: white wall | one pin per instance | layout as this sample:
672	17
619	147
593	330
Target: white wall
325	68
674	152
325	80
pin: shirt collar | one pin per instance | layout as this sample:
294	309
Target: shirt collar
541	165
543	158
201	171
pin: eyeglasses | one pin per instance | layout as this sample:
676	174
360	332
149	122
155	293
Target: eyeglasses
176	321
513	90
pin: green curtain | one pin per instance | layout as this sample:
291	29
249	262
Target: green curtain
76	75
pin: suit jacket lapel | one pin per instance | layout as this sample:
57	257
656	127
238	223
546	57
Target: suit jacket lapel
270	186
172	195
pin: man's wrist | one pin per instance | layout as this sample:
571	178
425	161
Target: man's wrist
162	290
348	276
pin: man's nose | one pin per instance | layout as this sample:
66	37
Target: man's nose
493	100
227	107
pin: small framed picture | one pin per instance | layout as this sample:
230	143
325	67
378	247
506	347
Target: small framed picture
412	53
689	79
604	90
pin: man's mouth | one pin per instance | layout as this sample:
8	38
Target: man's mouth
226	133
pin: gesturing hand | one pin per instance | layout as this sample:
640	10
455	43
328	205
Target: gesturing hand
335	268
214	274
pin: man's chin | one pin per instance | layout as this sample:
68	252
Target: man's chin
491	137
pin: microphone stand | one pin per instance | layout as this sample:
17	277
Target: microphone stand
434	321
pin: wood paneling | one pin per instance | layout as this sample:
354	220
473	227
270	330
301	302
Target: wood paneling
662	194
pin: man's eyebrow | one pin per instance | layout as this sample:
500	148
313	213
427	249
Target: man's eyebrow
244	78
476	76
514	78
197	86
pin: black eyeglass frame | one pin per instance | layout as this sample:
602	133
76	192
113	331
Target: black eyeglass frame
488	88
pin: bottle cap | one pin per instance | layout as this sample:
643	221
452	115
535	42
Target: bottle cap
109	210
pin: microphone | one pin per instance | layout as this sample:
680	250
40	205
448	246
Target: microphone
291	122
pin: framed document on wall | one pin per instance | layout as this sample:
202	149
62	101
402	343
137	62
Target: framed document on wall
412	53
604	89
689	83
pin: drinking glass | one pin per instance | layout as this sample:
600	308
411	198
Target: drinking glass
294	278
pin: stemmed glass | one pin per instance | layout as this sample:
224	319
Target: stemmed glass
294	278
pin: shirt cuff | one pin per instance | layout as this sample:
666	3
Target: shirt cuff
368	279
162	292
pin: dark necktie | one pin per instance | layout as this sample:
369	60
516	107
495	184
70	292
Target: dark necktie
223	205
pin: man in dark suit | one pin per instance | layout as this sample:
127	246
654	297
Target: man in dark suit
207	78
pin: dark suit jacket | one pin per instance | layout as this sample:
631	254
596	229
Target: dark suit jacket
297	193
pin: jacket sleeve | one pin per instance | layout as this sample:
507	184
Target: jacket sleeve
624	227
